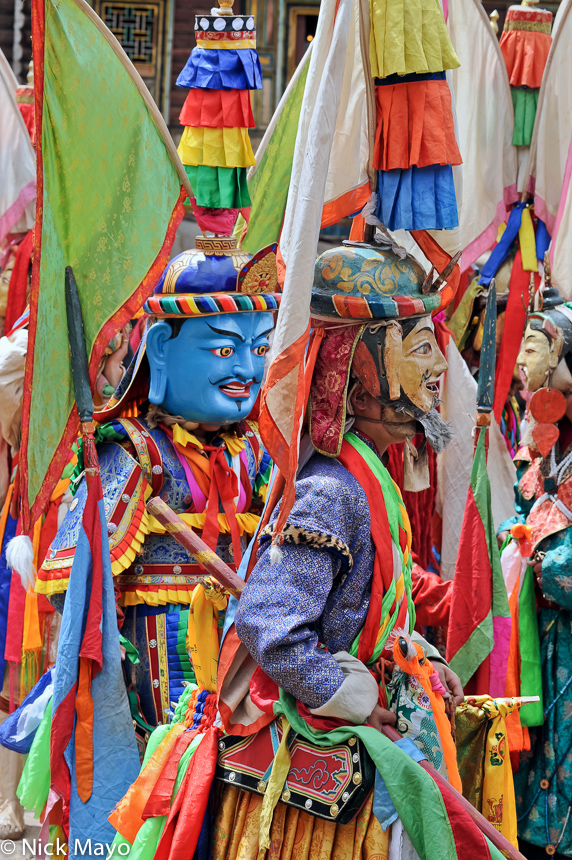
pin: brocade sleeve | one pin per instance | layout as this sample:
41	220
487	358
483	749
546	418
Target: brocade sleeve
293	615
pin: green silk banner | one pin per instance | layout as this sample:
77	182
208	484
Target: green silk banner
268	188
109	202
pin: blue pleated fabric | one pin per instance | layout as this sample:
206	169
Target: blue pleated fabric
232	69
417	198
180	667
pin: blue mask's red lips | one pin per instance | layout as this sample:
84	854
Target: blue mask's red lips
236	390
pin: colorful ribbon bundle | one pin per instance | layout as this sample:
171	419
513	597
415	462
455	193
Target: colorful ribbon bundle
415	145
215	146
525	44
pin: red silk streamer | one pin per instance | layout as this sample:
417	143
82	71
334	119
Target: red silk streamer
18	289
515	320
183	826
224	485
431	596
159	801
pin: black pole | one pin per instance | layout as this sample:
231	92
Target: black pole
79	363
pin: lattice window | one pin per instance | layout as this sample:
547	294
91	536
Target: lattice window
134	27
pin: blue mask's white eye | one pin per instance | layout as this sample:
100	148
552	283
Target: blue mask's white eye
261	350
223	351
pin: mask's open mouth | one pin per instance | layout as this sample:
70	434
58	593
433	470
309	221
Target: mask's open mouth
236	390
433	387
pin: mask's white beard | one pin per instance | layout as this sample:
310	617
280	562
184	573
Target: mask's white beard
437	431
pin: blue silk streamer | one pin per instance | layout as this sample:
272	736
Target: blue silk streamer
212	69
417	198
5	580
501	251
383	806
9	728
543	240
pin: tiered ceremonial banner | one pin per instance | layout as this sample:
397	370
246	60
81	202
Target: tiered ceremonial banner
485	125
215	146
525	45
415	145
109	203
551	151
333	176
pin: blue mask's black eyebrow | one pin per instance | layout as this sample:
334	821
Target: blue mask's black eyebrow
234	334
264	333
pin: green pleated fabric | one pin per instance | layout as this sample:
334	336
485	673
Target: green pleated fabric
219	187
524	101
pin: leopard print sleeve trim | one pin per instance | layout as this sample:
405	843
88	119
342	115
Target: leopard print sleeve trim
299	536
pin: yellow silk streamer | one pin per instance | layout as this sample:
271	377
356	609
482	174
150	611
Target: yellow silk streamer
489	755
202	639
184	438
499	804
527	242
278	774
246	523
234	444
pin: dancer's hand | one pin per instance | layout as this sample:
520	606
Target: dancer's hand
381	717
537	571
450	681
501	537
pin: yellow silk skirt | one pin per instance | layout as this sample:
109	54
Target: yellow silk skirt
294	835
216	147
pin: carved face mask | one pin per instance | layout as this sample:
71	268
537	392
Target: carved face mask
537	358
400	363
212	370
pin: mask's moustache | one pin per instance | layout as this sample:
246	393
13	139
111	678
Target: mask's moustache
437	431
